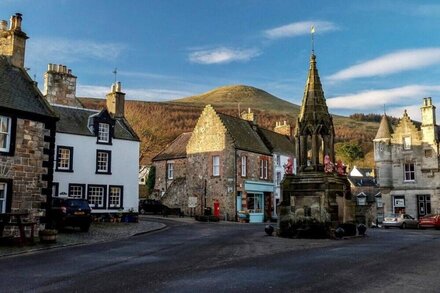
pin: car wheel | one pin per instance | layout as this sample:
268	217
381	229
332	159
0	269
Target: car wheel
142	211
85	228
386	227
403	225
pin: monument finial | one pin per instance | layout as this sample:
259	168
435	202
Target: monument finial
312	32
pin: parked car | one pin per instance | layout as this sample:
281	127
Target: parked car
402	221
430	221
74	212
150	206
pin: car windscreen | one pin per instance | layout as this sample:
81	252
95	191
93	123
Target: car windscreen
77	203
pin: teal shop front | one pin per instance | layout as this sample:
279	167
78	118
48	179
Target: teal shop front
256	199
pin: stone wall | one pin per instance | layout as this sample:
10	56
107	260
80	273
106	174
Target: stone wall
26	168
162	182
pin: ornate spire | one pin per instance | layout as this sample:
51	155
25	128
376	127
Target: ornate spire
314	108
314	130
385	129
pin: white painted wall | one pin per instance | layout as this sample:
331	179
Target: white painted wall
276	169
124	167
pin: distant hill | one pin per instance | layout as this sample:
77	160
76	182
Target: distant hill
241	97
158	123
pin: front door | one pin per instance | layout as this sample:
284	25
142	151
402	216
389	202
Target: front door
267	206
424	205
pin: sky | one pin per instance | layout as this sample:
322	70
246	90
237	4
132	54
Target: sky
371	55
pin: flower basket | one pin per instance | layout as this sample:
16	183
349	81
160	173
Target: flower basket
48	236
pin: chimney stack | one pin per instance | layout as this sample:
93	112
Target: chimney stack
249	116
116	101
13	40
60	86
283	128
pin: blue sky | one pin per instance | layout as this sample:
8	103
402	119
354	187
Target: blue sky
369	53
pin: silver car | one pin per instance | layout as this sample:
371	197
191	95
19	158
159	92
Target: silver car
400	220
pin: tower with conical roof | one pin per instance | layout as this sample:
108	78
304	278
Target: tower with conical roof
383	153
314	130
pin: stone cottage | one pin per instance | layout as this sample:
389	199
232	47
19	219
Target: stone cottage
27	130
407	163
227	165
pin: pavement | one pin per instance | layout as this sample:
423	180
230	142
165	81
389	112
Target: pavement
99	232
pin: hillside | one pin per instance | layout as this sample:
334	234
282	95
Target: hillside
158	123
241	97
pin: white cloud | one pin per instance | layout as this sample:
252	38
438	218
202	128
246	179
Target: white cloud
413	111
375	99
133	93
299	28
223	55
68	50
391	63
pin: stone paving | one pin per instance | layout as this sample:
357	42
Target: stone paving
99	232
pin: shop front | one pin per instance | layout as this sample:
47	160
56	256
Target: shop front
257	194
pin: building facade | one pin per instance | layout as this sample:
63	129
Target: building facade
97	152
407	163
27	130
224	164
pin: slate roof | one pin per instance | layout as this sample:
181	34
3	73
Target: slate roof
362	181
245	137
176	149
75	121
277	143
18	91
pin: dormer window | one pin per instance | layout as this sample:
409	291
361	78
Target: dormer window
104	133
407	143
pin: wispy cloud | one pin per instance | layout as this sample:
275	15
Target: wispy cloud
69	50
391	63
223	55
413	111
375	99
133	93
296	29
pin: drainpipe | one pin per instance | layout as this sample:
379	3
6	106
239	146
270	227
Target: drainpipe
234	188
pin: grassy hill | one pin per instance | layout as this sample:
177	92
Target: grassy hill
243	97
158	123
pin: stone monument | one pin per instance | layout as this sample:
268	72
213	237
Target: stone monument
318	197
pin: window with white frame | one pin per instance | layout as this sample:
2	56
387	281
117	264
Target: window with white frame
243	166
64	159
5	133
215	165
409	172
3	193
96	196
115	197
76	190
278	160
103	162
407	143
263	168
103	132
254	202
170	170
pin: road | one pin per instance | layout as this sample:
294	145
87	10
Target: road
231	257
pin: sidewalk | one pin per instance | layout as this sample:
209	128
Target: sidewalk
99	232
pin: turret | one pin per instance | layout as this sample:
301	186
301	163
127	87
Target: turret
383	153
116	101
13	40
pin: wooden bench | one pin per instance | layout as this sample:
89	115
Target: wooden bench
18	220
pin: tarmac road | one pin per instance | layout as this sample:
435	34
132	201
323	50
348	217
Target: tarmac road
232	257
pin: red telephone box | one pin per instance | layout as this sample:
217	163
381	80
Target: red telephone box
216	208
